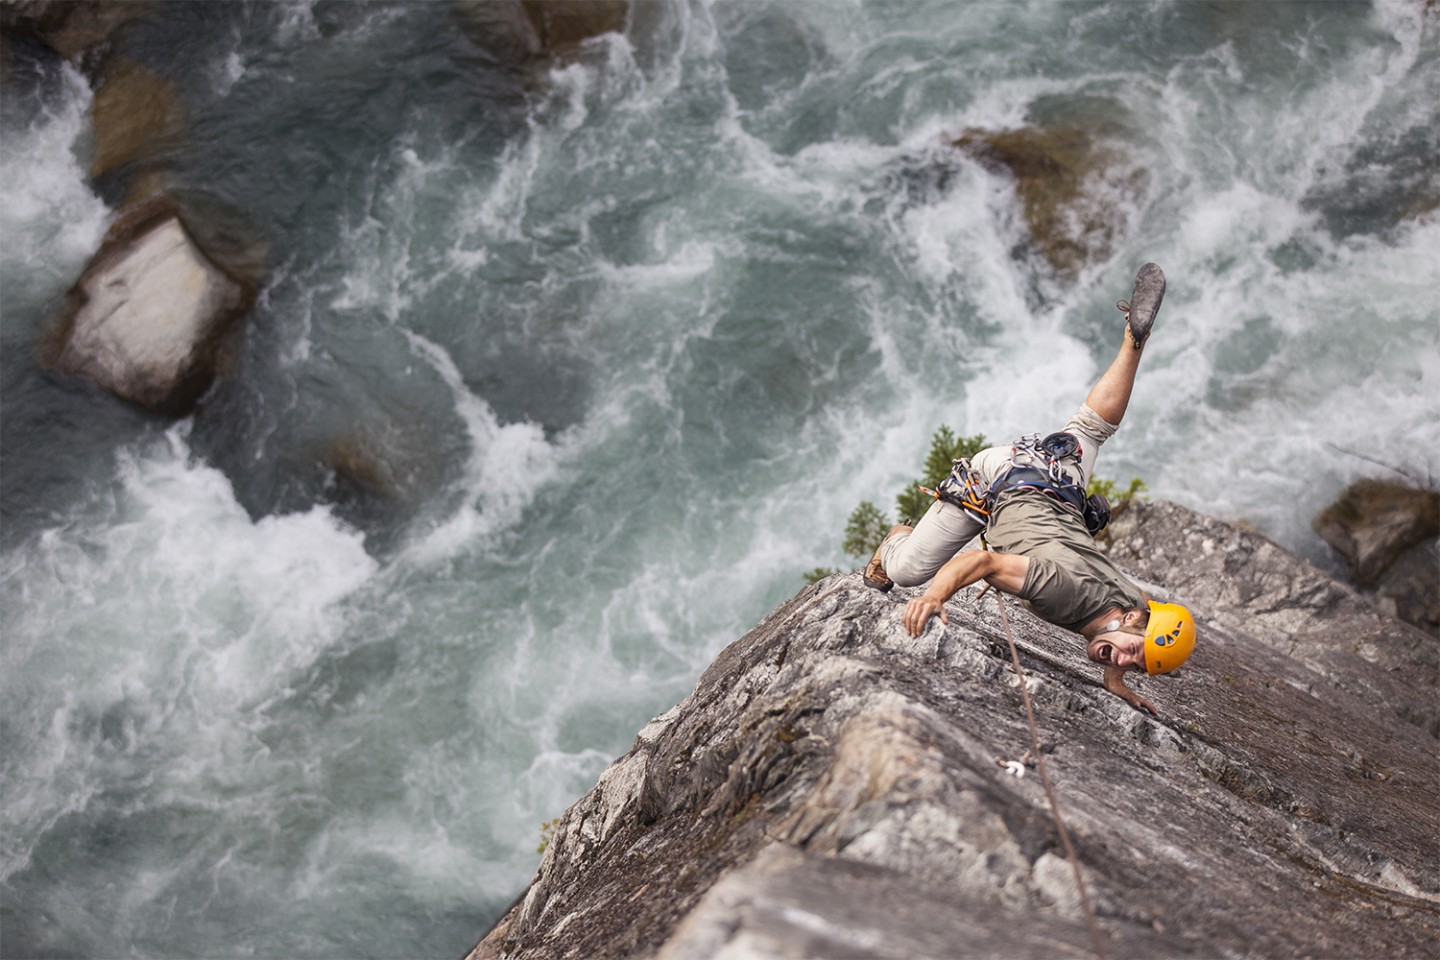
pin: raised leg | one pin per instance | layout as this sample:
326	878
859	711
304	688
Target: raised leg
1111	393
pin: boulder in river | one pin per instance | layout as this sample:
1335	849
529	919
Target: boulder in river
1374	521
150	313
522	29
1388	533
1072	182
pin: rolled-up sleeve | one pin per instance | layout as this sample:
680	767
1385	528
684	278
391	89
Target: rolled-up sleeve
1091	430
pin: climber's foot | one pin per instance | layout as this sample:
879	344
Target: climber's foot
874	575
1144	303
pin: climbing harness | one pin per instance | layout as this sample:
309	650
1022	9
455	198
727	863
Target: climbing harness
1035	464
1095	938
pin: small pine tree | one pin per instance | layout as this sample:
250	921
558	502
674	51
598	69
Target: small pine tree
820	573
865	530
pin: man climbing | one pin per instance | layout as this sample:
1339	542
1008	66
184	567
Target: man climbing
1029	501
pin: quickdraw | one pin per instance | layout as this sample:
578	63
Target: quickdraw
964	490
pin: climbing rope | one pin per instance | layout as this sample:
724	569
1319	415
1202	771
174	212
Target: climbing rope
1049	790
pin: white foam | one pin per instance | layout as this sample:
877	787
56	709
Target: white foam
557	117
229	72
547	785
297	22
508	465
1216	224
170	611
502	212
692	261
50	219
1364	380
383	276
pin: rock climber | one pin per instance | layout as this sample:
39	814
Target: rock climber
1029	501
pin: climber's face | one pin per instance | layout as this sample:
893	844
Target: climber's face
1118	648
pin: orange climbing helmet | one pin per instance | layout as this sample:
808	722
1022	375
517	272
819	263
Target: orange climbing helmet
1169	637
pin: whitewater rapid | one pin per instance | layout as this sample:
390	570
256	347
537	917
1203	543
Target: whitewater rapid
628	341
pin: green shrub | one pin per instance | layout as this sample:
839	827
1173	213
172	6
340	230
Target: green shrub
868	524
547	833
945	448
1111	491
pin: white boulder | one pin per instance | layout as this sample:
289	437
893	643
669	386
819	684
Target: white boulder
151	311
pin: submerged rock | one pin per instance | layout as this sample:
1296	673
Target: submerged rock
150	313
1389	536
1072	182
1374	521
521	29
561	25
833	787
379	468
137	116
70	28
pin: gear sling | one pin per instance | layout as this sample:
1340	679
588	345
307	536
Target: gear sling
1034	465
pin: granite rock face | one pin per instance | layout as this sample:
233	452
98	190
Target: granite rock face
1246	586
833	787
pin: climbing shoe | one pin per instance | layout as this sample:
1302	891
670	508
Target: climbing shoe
1144	302
874	574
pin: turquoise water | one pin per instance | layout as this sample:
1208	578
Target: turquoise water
623	342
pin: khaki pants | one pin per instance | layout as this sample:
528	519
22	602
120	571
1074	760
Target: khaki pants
912	558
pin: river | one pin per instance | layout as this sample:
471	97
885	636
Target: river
559	381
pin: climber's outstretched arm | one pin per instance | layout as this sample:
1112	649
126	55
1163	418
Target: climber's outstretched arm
1003	571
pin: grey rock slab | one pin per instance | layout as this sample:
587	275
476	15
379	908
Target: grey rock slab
833	787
